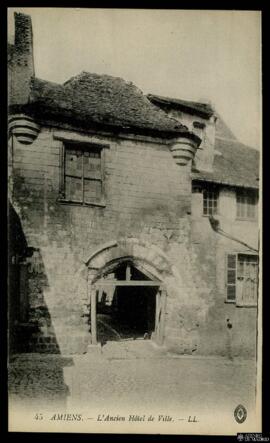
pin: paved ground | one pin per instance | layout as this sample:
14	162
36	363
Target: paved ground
129	380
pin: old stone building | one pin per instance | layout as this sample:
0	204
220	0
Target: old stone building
131	217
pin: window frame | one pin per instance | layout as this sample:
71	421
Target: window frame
200	188
247	193
82	146
206	189
236	300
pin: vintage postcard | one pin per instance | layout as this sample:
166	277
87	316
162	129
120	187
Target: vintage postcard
134	287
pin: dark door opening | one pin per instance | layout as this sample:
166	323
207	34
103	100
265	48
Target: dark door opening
135	311
126	312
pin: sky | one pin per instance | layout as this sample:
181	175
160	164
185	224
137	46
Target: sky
210	56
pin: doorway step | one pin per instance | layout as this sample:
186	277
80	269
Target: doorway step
131	349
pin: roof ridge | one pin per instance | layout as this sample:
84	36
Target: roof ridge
83	74
180	99
95	99
204	110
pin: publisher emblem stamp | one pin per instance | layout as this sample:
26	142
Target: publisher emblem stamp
240	414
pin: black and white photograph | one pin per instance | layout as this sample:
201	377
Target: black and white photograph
134	221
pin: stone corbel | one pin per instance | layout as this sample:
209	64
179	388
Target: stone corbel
184	148
24	128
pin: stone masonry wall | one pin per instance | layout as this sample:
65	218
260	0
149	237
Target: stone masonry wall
148	197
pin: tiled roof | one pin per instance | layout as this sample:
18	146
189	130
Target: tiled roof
222	129
203	110
102	100
234	164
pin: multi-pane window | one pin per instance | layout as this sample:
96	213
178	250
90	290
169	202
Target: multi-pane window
82	178
242	279
210	201
246	203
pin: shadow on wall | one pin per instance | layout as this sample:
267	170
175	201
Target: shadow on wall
35	362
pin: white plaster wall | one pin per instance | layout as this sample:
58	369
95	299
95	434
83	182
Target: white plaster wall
205	154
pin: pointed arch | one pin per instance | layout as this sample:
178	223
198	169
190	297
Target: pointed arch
147	258
150	258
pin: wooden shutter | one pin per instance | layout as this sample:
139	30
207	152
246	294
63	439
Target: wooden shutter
231	277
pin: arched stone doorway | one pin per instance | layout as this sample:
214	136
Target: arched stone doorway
127	291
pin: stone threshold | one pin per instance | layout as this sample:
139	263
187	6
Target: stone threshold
41	357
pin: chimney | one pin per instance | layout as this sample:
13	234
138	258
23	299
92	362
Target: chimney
23	33
20	72
21	63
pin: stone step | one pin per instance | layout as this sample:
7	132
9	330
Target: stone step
129	349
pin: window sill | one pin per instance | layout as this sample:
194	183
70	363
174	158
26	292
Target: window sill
209	215
246	219
101	204
231	302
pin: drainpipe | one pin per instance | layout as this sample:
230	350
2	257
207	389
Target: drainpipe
215	226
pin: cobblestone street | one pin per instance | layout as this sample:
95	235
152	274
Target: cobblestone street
130	381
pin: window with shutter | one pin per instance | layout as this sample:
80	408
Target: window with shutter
247	280
242	279
210	197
